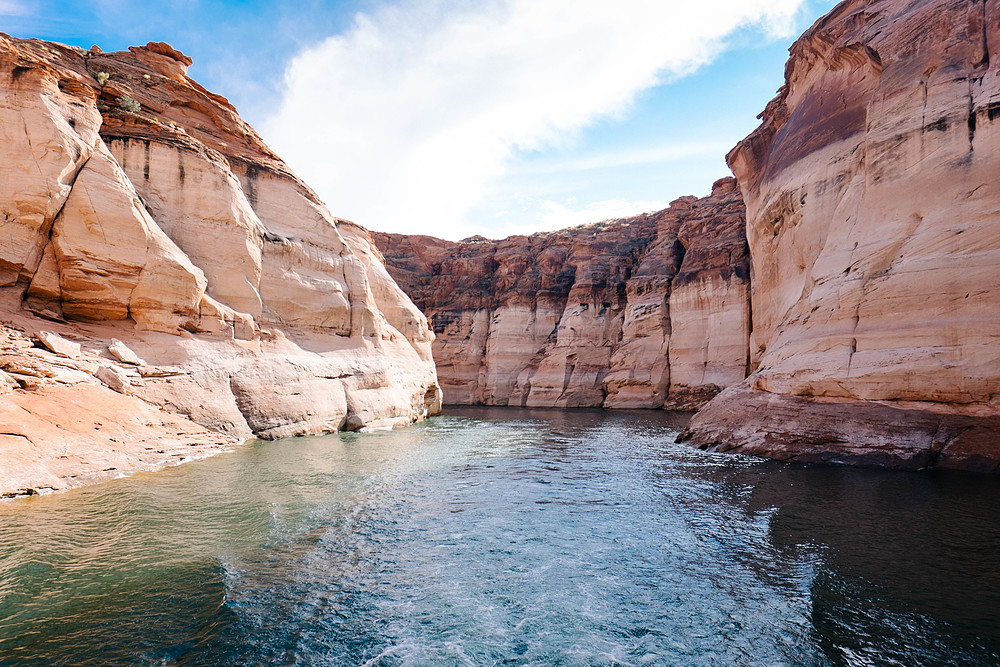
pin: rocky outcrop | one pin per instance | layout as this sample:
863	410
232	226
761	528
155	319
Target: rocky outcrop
643	312
872	221
139	206
71	417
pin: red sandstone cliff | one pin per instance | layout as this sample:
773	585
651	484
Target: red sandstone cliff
871	190
643	312
139	206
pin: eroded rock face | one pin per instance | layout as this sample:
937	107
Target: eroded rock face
140	207
644	312
871	197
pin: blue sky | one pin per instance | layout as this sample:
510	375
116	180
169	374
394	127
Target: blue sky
461	117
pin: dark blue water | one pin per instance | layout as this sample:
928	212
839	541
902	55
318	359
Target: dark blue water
505	537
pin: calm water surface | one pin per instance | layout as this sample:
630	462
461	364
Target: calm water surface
505	537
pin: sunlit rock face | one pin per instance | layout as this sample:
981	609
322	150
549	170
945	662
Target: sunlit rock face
872	207
643	312
139	206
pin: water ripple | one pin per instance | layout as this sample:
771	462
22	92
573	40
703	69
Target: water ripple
504	537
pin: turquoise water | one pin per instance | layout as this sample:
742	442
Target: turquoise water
504	537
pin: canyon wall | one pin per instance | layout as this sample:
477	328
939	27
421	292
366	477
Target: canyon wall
643	312
139	206
874	228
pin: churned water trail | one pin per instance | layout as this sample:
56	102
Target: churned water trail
504	537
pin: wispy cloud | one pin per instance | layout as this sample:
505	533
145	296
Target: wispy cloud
558	216
404	121
630	158
14	8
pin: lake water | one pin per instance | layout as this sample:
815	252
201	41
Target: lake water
505	537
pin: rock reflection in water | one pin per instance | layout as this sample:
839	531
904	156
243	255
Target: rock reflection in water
909	560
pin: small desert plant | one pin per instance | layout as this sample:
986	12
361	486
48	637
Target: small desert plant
126	103
102	78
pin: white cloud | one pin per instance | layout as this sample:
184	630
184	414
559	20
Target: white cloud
403	122
13	8
557	216
631	157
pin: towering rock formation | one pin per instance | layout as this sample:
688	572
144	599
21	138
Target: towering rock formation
613	314
138	205
873	225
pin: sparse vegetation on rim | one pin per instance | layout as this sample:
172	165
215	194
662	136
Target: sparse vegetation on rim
126	103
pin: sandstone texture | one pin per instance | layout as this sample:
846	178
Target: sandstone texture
147	227
872	217
643	312
61	426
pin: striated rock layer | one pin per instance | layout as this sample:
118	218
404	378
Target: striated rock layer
873	223
139	206
644	312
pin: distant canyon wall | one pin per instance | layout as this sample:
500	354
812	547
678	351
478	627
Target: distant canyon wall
873	210
139	206
645	312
